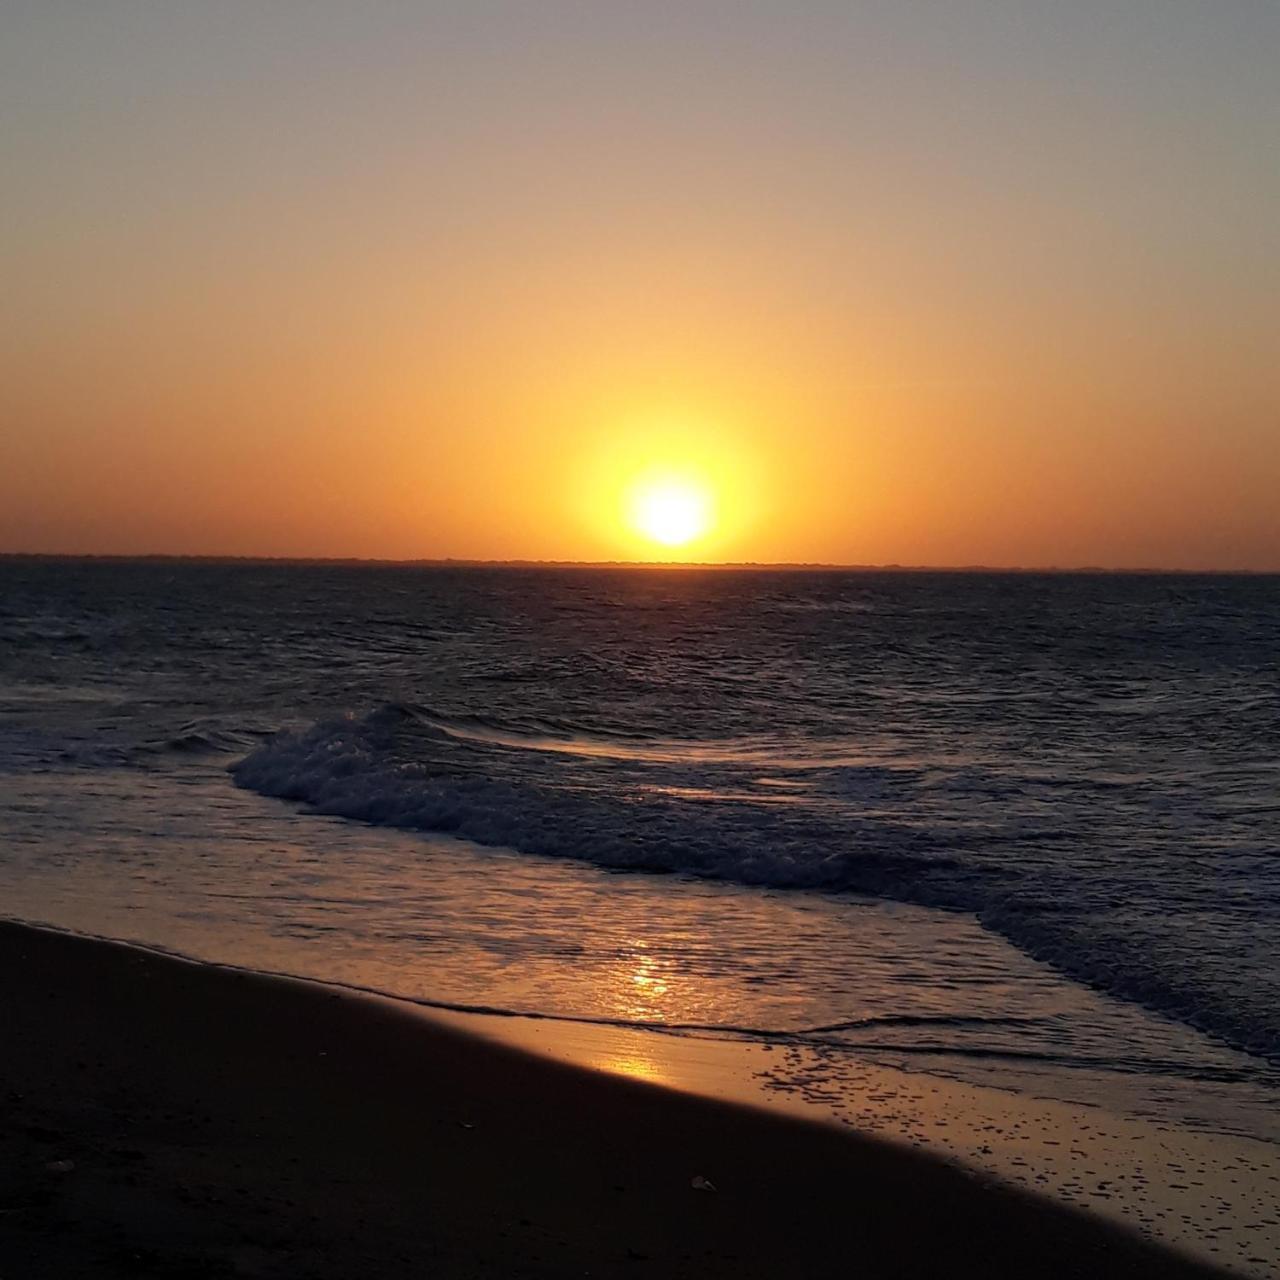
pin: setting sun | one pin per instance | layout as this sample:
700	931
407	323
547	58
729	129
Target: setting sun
672	512
660	482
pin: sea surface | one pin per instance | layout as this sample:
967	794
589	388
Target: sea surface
1017	829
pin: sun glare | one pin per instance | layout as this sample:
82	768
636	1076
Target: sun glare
673	486
672	512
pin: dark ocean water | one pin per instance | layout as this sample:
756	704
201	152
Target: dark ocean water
1088	765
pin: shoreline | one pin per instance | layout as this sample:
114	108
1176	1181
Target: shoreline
222	1122
1192	1166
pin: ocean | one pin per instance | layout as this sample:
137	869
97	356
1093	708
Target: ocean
1017	829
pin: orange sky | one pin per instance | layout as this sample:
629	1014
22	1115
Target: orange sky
980	283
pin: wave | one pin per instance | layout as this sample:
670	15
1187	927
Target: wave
209	739
1015	850
399	767
570	738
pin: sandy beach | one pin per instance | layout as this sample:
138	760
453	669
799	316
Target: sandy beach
174	1119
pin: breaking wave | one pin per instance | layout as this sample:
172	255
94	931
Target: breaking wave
800	815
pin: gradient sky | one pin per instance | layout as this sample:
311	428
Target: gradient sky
957	282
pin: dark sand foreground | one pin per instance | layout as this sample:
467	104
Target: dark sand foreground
171	1119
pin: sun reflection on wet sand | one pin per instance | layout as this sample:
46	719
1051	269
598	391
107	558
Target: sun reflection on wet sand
635	1065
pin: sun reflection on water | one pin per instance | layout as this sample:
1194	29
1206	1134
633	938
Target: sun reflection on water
644	983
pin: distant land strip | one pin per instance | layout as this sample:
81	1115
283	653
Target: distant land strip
738	566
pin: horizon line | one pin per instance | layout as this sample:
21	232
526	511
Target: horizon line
724	566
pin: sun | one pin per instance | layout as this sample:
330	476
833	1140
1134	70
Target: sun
663	487
672	511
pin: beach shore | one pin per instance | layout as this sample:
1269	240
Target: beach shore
175	1119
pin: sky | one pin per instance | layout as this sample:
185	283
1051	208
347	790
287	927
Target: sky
877	281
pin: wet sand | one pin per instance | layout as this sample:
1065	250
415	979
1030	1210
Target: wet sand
1198	1187
173	1119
